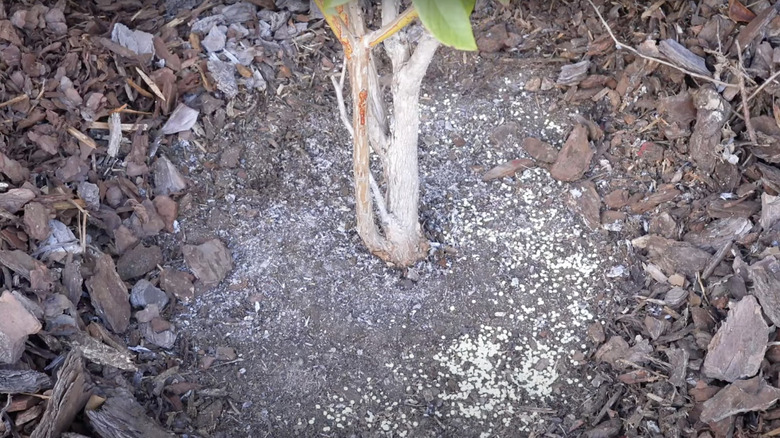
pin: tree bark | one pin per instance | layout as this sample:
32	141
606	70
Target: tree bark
402	242
404	233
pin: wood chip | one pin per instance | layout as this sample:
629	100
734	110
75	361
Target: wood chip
71	392
738	347
20	381
741	396
82	138
150	83
120	416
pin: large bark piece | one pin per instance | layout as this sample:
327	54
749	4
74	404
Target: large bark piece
16	323
71	392
120	416
736	350
765	275
741	396
673	256
109	294
712	113
17	381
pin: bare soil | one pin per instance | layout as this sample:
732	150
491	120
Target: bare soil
480	339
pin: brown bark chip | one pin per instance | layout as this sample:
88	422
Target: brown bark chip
738	347
109	294
15	325
574	159
210	262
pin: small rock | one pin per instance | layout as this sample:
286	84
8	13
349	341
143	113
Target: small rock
165	339
145	293
493	40
138	261
15	325
148	313
596	333
540	150
178	283
547	84
617	271
574	159
210	262
226	353
90	193
114	196
503	133
160	325
167	179
168	210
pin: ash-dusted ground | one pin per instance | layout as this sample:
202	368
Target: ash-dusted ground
479	340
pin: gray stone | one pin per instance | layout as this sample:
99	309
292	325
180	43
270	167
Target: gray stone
145	293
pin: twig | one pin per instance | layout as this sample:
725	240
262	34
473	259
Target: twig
338	86
380	200
743	94
388	30
715	260
652	58
761	87
14	100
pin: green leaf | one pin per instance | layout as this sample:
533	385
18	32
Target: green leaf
448	21
504	2
327	4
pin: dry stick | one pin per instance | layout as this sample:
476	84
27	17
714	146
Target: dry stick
652	58
743	94
761	87
14	100
381	205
